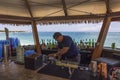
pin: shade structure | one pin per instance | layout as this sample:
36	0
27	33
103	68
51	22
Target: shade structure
57	11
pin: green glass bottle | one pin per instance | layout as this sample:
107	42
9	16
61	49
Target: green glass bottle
50	44
86	44
90	43
93	43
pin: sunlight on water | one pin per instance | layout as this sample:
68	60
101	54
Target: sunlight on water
26	38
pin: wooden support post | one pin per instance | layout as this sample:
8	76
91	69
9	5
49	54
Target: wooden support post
7	33
36	38
101	39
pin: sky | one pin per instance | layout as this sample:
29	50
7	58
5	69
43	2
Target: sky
114	27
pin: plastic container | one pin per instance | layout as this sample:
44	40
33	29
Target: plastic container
1	51
33	61
20	54
6	53
29	52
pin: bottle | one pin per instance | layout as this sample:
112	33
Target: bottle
47	45
90	43
86	44
53	45
43	45
81	44
50	44
113	45
93	43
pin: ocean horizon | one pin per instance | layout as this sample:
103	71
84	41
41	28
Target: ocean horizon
26	38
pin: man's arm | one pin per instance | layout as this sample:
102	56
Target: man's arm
62	51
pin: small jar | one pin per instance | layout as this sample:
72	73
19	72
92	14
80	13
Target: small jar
113	45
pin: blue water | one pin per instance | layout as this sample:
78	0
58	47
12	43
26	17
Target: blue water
26	38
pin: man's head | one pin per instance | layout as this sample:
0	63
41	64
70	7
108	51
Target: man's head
58	36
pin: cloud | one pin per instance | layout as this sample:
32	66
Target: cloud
70	27
114	27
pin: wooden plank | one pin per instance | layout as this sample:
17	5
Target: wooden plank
114	14
108	10
29	8
116	19
64	8
14	22
14	17
101	38
36	38
78	17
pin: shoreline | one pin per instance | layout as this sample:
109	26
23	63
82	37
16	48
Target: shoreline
11	31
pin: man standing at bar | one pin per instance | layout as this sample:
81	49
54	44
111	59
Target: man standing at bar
67	50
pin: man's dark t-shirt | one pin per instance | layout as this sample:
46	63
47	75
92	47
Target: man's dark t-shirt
68	42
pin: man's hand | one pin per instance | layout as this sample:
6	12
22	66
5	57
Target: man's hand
52	55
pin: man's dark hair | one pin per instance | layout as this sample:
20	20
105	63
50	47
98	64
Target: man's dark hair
56	35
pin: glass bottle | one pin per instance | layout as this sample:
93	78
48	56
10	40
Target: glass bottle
90	43
86	44
93	43
81	44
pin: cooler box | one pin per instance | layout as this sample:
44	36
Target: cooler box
33	61
29	52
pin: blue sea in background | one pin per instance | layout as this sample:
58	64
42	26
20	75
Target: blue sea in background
26	38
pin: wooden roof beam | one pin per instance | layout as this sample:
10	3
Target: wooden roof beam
70	17
14	22
114	14
64	7
82	2
108	10
29	8
116	19
14	17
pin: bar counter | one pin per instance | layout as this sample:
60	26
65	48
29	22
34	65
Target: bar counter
85	55
112	53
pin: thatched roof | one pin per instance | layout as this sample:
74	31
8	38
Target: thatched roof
55	11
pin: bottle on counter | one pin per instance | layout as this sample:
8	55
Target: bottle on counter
53	44
47	44
90	43
43	45
93	43
50	44
86	44
113	45
81	45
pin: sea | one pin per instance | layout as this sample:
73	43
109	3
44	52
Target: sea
26	38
